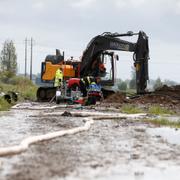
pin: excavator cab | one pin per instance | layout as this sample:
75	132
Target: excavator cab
107	75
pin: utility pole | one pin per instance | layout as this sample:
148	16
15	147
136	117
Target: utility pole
31	59
25	73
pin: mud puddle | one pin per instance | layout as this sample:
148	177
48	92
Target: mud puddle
111	149
171	135
14	125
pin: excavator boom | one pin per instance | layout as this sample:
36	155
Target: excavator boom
102	43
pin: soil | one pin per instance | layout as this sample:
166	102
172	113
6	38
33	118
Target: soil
165	96
116	98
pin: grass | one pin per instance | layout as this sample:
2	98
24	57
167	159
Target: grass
4	105
157	110
24	87
164	122
131	109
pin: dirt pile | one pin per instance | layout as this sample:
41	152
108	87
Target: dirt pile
172	91
164	95
116	98
155	99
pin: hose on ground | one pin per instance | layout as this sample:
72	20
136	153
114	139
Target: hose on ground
24	145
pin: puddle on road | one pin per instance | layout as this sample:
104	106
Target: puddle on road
14	126
170	135
19	124
126	172
113	141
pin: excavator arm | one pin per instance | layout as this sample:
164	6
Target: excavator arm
111	41
141	57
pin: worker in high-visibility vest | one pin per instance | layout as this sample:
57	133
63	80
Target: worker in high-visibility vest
58	78
85	82
94	92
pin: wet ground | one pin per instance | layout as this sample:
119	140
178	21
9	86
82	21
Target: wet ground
112	149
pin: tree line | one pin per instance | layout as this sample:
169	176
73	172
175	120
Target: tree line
131	83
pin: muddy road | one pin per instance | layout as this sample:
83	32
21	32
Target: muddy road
123	148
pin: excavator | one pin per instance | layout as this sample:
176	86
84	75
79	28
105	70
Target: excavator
101	47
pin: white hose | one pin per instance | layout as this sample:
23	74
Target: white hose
23	146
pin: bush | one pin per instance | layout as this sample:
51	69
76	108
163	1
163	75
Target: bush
5	76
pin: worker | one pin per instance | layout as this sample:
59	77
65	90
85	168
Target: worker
98	68
102	70
95	85
84	84
58	78
94	92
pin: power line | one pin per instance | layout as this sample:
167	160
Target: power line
25	73
31	58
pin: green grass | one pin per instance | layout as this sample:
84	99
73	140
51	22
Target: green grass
164	122
131	109
24	87
4	105
157	110
30	93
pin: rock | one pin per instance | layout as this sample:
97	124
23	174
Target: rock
66	113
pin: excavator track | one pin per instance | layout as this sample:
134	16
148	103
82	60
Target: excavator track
45	94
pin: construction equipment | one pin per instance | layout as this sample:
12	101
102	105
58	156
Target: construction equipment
48	70
100	47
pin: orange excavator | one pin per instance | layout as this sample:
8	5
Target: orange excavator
100	47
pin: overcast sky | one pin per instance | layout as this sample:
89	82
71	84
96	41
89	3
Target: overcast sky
70	24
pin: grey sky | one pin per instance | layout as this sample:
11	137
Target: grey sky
70	24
